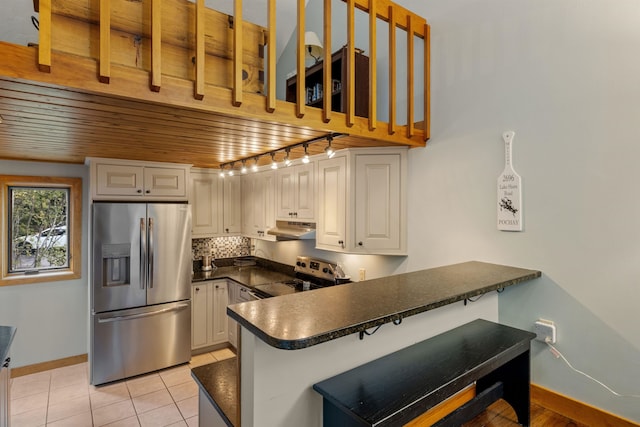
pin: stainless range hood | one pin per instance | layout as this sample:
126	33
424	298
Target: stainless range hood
293	230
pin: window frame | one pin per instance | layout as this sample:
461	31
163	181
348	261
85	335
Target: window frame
74	232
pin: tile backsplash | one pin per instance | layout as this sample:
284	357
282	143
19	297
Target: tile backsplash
221	247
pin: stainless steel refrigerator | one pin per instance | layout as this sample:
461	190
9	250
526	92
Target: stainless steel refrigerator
140	289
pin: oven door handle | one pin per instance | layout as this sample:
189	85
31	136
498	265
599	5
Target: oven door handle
254	295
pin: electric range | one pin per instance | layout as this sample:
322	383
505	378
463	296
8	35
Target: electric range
310	273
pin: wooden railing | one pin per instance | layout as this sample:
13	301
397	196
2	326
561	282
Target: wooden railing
395	15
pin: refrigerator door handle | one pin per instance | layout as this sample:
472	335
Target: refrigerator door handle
150	253
143	253
140	315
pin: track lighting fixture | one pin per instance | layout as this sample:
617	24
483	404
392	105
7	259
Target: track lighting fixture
329	151
287	160
305	158
287	157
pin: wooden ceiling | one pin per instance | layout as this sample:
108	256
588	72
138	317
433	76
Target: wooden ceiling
45	123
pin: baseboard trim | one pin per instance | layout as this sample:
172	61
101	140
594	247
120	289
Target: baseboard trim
45	366
575	410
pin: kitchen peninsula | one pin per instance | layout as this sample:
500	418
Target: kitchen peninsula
387	313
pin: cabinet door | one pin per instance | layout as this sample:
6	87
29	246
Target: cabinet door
232	215
285	193
119	180
232	325
332	195
199	321
305	192
258	208
165	182
378	219
295	196
219	302
268	188
205	198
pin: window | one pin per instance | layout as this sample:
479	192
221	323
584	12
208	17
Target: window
41	229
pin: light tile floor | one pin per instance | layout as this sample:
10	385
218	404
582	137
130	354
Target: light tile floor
63	397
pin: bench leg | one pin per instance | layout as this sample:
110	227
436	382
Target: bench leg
515	375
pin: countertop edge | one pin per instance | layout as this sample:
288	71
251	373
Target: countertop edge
7	333
196	373
286	344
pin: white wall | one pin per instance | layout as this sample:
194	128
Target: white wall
51	318
564	76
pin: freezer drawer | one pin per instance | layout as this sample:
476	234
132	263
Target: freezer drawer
131	342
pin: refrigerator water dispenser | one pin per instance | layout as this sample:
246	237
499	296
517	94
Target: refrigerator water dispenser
116	264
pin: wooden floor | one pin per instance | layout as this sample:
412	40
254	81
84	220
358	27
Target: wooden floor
500	414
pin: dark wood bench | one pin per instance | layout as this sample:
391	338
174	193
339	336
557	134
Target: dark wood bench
397	388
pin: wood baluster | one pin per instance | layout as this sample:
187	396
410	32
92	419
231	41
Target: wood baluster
237	54
373	70
301	90
104	75
392	71
427	82
44	33
271	60
156	45
326	69
200	52
410	77
351	64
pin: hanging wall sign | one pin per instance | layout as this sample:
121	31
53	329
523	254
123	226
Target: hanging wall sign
509	191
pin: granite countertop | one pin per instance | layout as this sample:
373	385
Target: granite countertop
6	337
308	318
248	276
220	380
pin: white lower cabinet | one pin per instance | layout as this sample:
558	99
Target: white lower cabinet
209	302
362	203
5	398
237	294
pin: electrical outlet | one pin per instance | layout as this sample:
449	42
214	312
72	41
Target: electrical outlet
363	274
545	331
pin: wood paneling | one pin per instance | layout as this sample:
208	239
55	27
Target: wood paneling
102	97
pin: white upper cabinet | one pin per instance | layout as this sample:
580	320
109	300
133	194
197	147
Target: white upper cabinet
232	206
331	228
295	193
206	203
362	202
113	179
258	204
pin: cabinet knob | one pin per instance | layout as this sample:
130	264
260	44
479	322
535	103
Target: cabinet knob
138	191
359	243
341	243
148	191
226	230
217	286
197	289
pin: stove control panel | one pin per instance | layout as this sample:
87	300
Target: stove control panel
318	268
